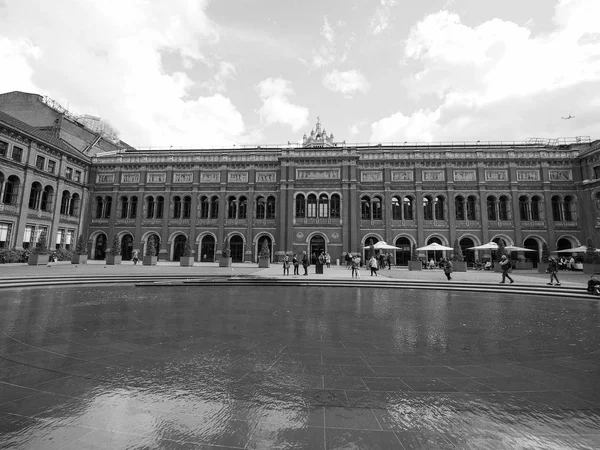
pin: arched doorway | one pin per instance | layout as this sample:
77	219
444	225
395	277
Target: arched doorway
100	247
465	243
259	245
236	244
126	247
564	244
156	244
178	246
534	256
494	253
403	255
207	249
370	240
436	255
317	245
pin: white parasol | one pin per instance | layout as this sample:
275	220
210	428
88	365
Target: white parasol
488	246
382	245
580	249
434	247
514	248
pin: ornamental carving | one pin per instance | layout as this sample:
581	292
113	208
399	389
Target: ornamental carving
402	175
496	175
433	175
130	178
317	174
464	175
266	177
528	175
560	175
185	177
210	177
156	178
371	176
105	178
237	177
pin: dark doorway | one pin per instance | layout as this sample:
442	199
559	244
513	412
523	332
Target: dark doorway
156	244
436	255
532	256
100	247
178	246
126	247
563	244
207	249
317	245
260	245
403	255
237	248
465	243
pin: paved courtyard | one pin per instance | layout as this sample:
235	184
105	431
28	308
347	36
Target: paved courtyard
218	366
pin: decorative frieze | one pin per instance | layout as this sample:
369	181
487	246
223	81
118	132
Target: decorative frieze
105	178
402	175
496	175
317	174
464	175
237	177
183	177
156	177
560	175
432	175
210	177
130	178
528	175
266	177
371	176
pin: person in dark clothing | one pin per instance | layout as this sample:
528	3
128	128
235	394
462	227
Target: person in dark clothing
305	262
505	265
389	261
593	286
447	266
552	269
296	264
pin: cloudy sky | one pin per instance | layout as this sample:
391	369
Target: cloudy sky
212	73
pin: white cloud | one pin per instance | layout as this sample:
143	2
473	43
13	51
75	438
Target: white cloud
225	71
497	81
277	108
347	83
381	19
104	58
327	31
327	52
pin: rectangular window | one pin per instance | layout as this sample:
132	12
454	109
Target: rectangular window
4	235
69	173
51	166
69	239
3	148
27	237
17	154
77	175
39	162
59	236
597	172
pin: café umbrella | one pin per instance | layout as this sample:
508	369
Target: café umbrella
434	247
488	246
382	245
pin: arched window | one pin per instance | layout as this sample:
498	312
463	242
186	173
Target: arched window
396	209
323	205
523	208
187	207
503	207
176	207
65	202
271	207
204	207
99	206
556	209
261	207
74	205
311	205
376	208
491	208
427	208
407	208
300	206
46	203
440	203
365	208
536	208
35	195
334	206
149	207
243	208
132	208
123	207
471	207
160	207
459	206
568	206
214	207
231	207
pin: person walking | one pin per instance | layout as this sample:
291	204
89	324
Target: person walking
354	268
286	265
505	266
328	260
389	261
447	265
305	262
134	257
373	264
552	269
356	260
296	264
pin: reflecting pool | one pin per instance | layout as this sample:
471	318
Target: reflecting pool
296	367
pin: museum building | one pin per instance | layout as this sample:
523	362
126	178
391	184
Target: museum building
66	175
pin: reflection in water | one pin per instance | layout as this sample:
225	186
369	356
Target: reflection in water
296	368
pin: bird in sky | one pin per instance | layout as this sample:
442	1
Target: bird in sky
568	117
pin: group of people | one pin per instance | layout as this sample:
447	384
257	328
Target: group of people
323	259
